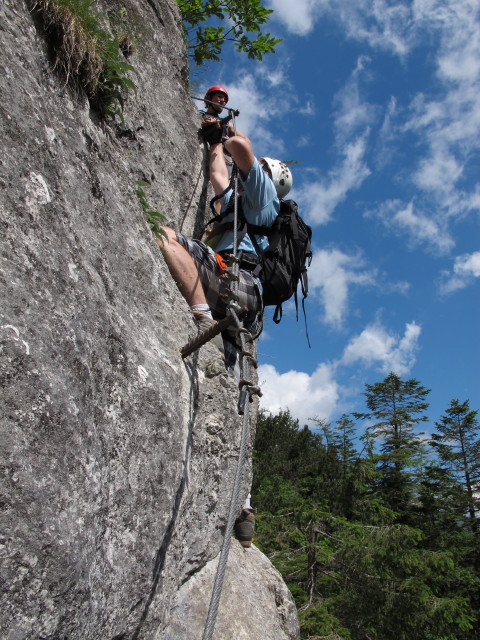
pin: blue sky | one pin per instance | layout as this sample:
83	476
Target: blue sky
380	104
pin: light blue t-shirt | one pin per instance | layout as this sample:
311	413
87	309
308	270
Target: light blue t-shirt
260	206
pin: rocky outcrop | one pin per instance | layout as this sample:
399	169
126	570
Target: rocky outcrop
250	609
117	457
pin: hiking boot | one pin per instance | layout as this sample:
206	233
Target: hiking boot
245	528
203	323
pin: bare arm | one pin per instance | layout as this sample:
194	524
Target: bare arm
218	168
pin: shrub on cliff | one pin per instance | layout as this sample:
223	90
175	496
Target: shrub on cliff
84	54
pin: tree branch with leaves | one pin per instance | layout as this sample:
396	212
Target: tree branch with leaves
209	24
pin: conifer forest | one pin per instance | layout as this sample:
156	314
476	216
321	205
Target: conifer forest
373	520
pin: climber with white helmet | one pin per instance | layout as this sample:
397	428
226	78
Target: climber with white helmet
280	175
197	266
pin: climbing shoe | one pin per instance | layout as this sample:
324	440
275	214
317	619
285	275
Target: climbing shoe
203	323
245	528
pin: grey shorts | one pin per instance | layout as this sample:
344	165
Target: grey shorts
213	285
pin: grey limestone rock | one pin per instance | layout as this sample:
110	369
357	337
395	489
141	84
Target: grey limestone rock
258	609
117	457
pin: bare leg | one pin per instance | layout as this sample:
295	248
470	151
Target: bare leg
185	273
182	268
240	149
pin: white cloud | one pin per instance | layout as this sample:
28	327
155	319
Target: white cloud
401	286
319	394
388	141
352	113
465	269
307	107
352	119
304	395
273	77
468	265
419	228
333	272
319	199
439	172
448	125
304	141
300	17
382	24
450	128
391	352
393	26
254	118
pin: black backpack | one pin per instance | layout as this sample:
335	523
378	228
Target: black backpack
283	265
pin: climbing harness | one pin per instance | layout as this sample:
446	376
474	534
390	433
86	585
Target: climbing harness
282	267
247	390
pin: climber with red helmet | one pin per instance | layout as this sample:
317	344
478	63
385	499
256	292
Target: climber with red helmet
214	128
214	96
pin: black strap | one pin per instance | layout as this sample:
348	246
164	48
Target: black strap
305	318
278	313
230	185
247	261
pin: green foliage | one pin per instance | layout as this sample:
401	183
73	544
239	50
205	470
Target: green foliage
85	54
107	93
395	408
238	18
154	218
440	507
366	559
392	587
458	447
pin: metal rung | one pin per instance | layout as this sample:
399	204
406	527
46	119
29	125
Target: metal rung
206	336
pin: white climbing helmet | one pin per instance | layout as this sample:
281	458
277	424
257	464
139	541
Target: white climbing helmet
281	175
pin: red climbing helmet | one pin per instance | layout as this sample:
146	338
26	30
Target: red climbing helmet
216	89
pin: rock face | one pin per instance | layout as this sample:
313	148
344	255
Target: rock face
117	457
264	612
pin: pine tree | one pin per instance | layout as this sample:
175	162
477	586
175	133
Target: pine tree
458	447
342	437
395	408
440	507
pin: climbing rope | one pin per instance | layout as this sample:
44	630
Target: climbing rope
247	389
232	515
